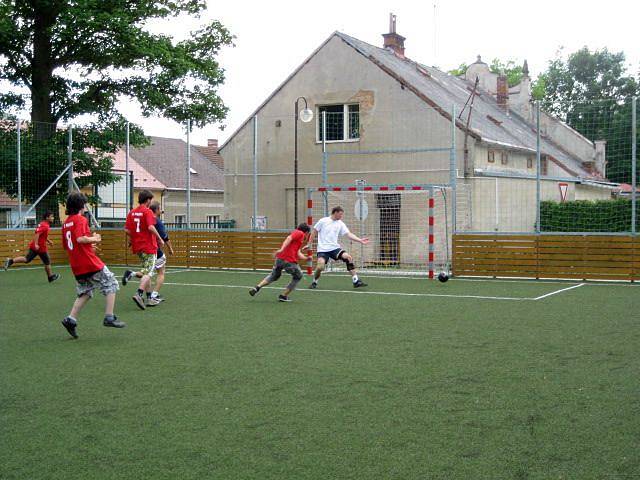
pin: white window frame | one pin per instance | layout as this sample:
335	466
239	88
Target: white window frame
183	220
345	123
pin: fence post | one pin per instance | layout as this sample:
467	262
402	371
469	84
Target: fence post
255	172
188	174
453	170
538	157
126	169
70	157
18	154
634	174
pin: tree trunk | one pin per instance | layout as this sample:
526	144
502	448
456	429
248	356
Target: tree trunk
42	71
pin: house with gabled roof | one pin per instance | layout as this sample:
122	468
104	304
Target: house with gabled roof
372	99
161	167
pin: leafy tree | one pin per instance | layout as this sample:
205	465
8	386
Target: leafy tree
68	58
592	92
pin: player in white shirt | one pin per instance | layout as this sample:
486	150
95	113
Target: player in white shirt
328	230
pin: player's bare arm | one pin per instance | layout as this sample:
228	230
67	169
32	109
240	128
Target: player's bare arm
355	238
95	238
284	245
153	230
170	247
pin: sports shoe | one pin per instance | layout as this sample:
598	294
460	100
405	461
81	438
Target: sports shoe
70	324
313	285
139	301
113	322
359	284
127	276
153	301
253	291
54	277
159	298
283	298
7	264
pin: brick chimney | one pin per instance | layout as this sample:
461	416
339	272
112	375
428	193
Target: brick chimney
392	40
502	91
212	142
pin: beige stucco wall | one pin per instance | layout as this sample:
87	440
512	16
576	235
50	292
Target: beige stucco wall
390	117
202	204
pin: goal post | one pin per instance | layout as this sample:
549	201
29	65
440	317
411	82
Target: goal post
409	226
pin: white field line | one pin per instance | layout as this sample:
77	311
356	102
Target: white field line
361	292
530	281
558	291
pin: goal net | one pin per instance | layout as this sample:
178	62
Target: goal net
409	226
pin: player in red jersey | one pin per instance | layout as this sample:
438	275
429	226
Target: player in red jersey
287	257
89	270
145	239
38	247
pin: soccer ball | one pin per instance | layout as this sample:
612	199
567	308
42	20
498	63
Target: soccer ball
443	277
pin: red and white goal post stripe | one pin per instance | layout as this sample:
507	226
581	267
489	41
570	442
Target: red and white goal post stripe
407	224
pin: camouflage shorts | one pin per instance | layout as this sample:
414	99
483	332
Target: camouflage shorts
148	263
104	280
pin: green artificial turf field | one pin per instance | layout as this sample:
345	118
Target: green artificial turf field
408	379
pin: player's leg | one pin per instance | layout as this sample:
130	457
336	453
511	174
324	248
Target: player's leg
46	261
84	291
275	274
106	281
351	268
296	276
160	272
320	265
148	270
21	259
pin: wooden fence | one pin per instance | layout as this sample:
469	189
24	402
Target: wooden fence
583	257
249	250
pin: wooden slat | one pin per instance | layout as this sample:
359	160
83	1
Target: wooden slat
547	256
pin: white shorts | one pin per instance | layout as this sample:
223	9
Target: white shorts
160	262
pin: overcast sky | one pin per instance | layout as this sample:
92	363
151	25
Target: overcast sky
273	38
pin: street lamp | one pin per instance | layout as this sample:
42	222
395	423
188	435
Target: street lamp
306	115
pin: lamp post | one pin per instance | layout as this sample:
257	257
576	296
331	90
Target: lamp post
306	115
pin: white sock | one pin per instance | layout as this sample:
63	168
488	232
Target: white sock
355	278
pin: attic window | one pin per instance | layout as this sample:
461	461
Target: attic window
192	170
494	120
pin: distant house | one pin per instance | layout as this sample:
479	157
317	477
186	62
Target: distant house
379	98
161	168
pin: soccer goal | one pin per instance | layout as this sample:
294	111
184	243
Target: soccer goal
409	226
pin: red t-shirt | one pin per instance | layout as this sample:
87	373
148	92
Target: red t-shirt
138	222
82	257
290	254
43	229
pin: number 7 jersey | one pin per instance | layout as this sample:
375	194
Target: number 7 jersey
138	222
82	257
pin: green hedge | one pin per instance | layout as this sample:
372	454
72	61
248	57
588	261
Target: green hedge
587	216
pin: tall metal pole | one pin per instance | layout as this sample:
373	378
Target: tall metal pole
634	174
255	172
325	161
188	174
18	154
538	156
126	170
70	157
295	164
453	169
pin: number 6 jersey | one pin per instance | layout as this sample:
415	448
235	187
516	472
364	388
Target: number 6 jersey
82	257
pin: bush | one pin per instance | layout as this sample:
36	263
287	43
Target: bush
587	216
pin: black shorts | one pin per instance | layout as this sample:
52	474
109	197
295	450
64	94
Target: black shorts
44	256
333	254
